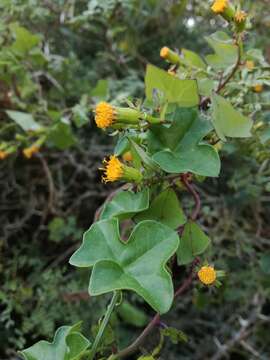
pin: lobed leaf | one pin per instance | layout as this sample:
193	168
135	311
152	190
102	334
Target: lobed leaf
174	90
125	204
179	148
166	209
193	242
227	121
138	264
68	344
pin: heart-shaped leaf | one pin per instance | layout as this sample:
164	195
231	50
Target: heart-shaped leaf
125	204
227	121
226	52
179	149
24	120
193	242
137	265
165	208
174	90
68	344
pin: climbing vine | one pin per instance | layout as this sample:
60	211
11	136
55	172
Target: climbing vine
166	145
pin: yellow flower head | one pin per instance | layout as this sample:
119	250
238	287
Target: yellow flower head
113	170
207	275
30	151
219	6
164	52
250	65
240	16
105	115
3	154
127	156
258	88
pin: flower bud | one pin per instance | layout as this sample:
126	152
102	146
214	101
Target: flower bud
170	55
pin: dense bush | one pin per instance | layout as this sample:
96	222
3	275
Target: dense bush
57	60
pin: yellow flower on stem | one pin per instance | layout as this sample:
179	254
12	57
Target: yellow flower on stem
105	115
258	88
220	6
170	55
3	154
223	8
250	65
30	151
207	275
115	170
108	115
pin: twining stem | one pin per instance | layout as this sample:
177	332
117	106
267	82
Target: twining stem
195	195
155	321
103	325
205	101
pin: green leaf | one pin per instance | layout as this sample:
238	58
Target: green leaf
227	121
205	86
68	344
122	146
182	92
265	263
132	315
226	53
101	90
61	136
265	135
125	204
138	264
192	59
176	336
165	208
24	120
80	115
25	41
179	149
193	242
142	155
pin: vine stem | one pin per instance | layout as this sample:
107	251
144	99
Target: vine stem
155	321
103	325
195	195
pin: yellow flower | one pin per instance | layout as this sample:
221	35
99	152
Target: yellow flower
113	169
258	88
127	156
250	65
207	275
105	115
30	151
164	52
240	16
3	154
220	6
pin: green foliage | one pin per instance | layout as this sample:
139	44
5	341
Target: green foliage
225	51
227	121
179	148
176	336
125	204
138	265
166	209
68	344
171	89
56	61
193	242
